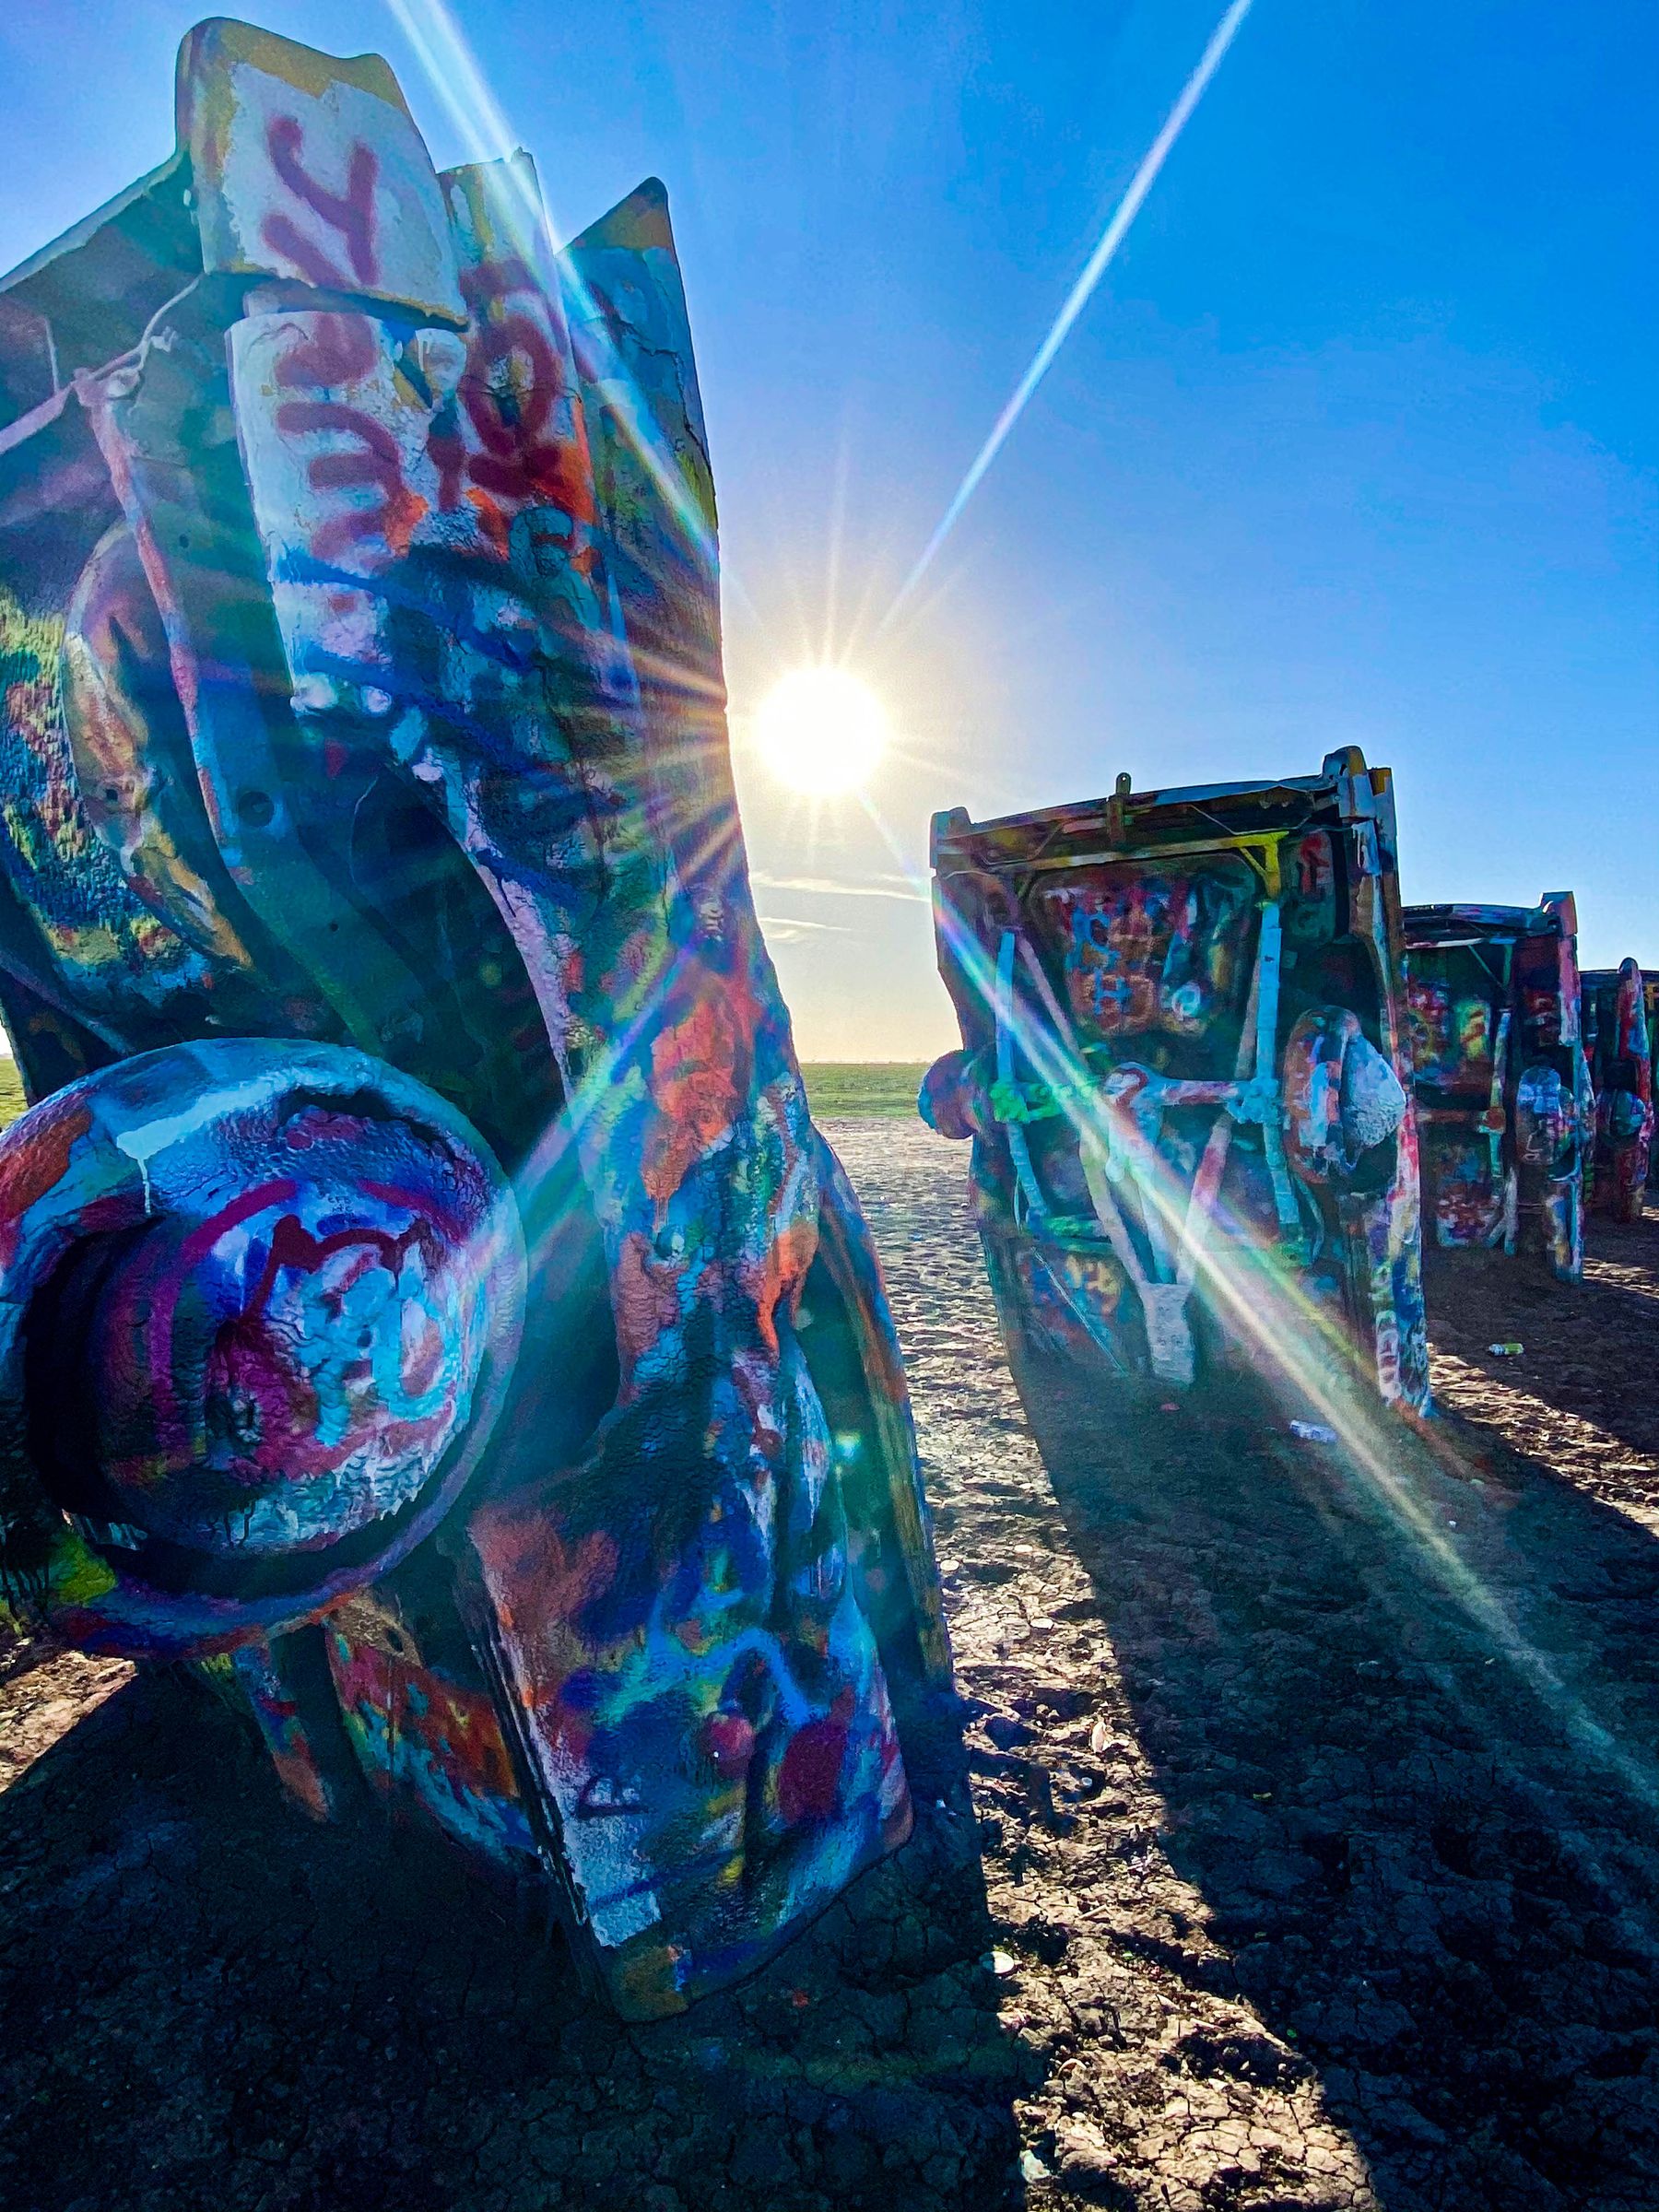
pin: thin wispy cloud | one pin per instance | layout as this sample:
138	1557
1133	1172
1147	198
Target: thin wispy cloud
784	926
879	887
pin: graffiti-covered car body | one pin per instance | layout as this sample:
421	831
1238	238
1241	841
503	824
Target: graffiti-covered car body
424	1301
1182	1069
1502	1088
1616	1024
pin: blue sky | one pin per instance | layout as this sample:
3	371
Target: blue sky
1356	443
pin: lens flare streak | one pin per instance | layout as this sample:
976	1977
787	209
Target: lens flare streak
1290	1332
1082	291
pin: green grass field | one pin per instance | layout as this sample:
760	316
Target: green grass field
883	1086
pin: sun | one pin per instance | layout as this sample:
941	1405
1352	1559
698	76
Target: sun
822	731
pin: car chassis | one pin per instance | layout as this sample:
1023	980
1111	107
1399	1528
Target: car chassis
1182	1069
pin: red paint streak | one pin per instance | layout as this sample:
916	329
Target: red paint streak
35	1162
298	1772
696	1089
645	1294
520	460
375	462
538	1585
456	1214
810	1775
496	527
336	350
350	213
293	1246
452	1726
255	1201
492	280
423	1351
448	451
513	379
728	1742
779	1276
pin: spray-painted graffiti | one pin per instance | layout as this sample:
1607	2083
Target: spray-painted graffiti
1617	1026
1184	1072
1502	1088
421	1285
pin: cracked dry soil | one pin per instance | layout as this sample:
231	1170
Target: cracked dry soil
1317	1805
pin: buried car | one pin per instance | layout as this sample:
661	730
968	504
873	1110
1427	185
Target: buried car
424	1301
1503	1087
1617	1026
1184	1072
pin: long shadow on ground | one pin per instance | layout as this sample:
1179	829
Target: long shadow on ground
1404	1721
208	2003
1586	1352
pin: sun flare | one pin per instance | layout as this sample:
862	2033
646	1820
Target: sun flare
822	731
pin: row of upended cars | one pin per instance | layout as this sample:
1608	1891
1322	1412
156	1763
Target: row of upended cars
427	1311
1222	1085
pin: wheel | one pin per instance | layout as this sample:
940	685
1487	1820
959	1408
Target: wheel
259	1301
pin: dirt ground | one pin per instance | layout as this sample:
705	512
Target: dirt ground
1316	1786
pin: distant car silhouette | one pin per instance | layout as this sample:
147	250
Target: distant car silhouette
1502	1088
1615	1021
